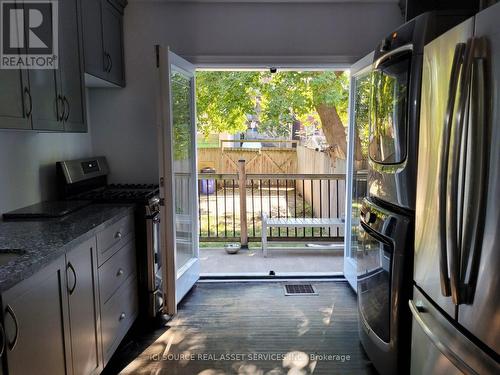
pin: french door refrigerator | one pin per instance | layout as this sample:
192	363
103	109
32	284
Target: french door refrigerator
456	300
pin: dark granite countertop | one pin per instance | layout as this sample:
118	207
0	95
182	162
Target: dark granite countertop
44	241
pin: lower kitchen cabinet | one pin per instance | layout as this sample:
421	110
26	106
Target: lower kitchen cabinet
83	296
117	315
69	317
36	320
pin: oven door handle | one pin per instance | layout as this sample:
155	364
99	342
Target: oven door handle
378	236
394	52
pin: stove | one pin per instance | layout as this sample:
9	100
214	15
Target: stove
87	180
121	193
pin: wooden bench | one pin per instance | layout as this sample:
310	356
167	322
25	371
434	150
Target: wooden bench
295	223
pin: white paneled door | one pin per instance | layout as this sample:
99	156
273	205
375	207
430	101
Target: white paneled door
178	178
359	99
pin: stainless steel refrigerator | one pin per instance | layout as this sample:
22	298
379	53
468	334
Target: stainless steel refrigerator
456	299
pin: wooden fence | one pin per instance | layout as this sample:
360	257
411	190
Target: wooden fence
263	160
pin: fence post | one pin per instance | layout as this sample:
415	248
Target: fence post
242	177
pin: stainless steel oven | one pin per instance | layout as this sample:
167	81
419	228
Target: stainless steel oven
86	179
384	267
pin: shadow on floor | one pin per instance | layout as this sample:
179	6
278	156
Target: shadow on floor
251	329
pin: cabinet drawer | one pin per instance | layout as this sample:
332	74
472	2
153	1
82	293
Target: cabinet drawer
117	269
113	235
117	315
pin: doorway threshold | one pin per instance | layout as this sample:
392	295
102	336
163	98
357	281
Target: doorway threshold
261	276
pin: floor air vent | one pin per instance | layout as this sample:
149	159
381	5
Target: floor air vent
299	290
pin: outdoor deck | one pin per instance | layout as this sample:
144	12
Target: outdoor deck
281	260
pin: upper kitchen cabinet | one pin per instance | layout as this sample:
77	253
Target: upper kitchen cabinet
71	69
58	95
15	101
48	99
46	108
103	42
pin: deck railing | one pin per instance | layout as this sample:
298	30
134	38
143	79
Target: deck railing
238	143
231	205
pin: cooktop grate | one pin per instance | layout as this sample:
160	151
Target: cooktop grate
299	290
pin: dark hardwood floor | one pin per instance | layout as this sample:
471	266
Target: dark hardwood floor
251	329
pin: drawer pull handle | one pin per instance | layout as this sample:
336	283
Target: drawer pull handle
2	332
118	235
122	316
120	272
72	289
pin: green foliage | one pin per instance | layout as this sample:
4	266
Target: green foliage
181	116
226	99
361	117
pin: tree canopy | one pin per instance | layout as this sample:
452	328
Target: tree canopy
226	100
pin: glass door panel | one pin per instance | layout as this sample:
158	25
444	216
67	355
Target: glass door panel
178	179
183	171
357	161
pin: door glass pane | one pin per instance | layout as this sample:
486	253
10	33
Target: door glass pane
360	165
183	170
390	111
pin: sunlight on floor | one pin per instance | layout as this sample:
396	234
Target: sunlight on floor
254	329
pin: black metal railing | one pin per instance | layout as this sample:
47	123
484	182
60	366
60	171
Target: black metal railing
222	197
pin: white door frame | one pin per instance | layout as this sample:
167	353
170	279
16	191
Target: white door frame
176	283
362	66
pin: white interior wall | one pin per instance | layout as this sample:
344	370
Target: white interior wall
213	33
27	164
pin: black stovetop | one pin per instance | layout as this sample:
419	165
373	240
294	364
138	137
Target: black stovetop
46	210
120	193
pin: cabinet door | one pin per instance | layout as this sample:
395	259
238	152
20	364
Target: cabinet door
36	323
81	270
46	108
112	26
71	67
92	37
14	100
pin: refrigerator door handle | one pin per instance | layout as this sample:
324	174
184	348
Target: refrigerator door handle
456	174
443	167
438	336
471	245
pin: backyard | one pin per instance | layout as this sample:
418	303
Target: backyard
288	131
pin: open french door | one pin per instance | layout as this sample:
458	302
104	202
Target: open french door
357	163
178	179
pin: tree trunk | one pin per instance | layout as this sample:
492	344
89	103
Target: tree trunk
335	132
333	129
